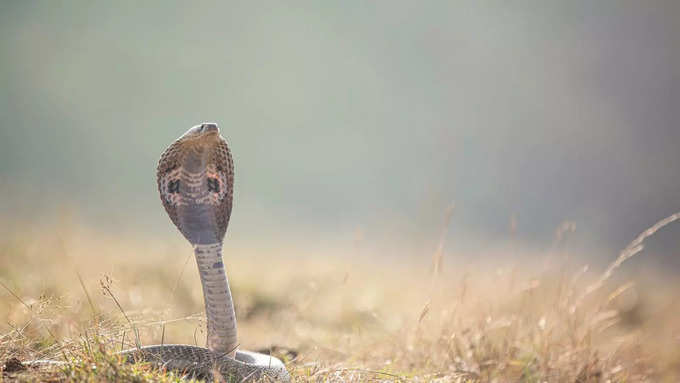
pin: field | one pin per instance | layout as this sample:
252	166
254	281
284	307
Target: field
70	292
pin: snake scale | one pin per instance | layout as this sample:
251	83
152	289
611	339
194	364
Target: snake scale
195	180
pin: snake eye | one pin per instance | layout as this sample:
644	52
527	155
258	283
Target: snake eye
173	186
213	185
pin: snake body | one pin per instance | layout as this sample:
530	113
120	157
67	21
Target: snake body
195	178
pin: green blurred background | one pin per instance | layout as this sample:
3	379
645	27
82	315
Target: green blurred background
352	121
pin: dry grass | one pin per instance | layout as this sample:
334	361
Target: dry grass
331	318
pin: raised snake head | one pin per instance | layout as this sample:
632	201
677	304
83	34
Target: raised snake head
195	180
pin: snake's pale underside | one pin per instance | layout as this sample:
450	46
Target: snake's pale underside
195	180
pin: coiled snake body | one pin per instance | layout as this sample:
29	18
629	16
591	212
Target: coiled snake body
195	180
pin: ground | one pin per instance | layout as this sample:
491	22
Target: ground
72	293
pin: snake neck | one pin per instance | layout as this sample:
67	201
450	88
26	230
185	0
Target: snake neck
219	306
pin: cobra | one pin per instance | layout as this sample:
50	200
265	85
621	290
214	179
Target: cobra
195	178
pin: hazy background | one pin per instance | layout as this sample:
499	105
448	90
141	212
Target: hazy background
354	124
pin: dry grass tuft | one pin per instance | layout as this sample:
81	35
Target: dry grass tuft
80	296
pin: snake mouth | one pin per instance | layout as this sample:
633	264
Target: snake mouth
209	128
207	131
200	135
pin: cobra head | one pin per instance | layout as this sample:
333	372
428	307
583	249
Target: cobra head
195	181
